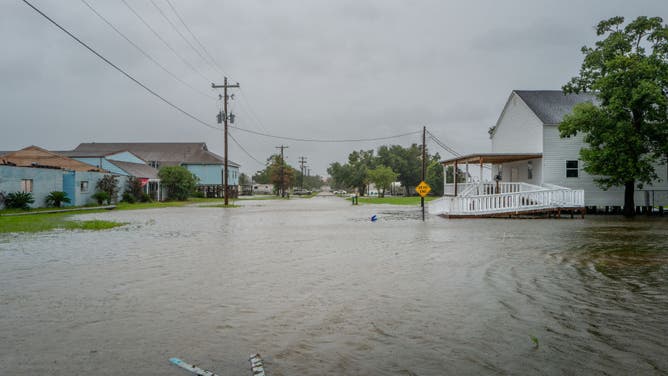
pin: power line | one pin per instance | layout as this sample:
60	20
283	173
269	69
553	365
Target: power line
206	51
324	140
245	151
188	114
146	54
443	145
169	46
162	13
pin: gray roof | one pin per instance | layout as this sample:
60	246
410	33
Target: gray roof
552	105
137	170
167	153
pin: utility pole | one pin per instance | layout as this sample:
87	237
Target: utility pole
424	163
302	162
282	188
225	117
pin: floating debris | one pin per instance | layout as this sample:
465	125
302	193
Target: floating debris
192	368
257	365
374	218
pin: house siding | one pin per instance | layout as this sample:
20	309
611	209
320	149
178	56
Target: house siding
44	181
212	174
125	156
518	130
101	163
559	150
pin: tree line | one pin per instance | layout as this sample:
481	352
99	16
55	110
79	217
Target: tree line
388	164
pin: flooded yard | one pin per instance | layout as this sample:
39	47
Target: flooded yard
317	288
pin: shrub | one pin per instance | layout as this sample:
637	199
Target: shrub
101	197
179	182
56	198
145	198
128	197
133	190
109	185
19	200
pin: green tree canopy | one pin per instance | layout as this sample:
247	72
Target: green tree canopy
278	173
382	177
178	181
627	132
407	162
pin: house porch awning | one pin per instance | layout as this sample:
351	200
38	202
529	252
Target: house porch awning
493	158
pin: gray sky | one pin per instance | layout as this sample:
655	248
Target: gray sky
308	69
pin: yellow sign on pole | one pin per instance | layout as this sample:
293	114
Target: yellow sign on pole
423	189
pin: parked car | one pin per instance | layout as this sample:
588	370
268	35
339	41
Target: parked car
301	192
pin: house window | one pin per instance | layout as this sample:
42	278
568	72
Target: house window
154	164
26	185
83	186
571	169
530	170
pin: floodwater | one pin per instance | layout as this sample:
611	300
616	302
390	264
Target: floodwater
317	288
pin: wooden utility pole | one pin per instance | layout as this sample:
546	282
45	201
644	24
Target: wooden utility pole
424	163
302	162
282	188
225	117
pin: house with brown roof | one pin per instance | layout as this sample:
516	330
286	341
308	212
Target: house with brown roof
39	171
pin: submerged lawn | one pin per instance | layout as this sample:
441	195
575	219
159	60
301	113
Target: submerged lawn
46	222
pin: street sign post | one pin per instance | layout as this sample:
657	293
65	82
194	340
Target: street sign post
422	189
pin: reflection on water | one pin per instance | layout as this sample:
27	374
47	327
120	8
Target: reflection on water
316	287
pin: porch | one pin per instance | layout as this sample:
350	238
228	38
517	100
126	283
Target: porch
467	195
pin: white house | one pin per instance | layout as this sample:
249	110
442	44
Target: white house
529	156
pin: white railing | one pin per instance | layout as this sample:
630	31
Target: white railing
489	188
518	201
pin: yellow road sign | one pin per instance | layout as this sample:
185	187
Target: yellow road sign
423	189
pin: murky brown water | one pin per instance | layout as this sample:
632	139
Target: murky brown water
317	288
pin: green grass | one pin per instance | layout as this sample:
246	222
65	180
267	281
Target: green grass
398	200
47	222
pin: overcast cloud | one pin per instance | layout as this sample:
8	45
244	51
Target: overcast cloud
308	69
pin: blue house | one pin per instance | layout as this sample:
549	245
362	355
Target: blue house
39	171
195	156
122	163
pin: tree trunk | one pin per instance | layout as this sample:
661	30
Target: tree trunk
629	204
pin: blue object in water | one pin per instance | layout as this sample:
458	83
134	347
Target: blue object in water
374	218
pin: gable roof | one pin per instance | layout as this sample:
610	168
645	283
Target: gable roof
34	156
167	153
137	170
550	106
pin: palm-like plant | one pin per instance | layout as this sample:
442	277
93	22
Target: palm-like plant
56	198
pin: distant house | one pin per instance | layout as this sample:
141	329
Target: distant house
533	166
40	172
195	156
122	163
263	189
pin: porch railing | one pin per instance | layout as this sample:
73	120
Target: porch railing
522	197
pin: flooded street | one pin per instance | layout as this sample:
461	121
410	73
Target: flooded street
317	288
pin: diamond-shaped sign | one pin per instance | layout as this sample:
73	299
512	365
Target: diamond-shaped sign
423	189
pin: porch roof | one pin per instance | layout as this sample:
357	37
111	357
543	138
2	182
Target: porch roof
493	158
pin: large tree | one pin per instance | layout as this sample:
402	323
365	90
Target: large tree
627	131
407	162
382	177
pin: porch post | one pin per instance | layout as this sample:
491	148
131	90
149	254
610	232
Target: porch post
454	176
467	172
482	186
